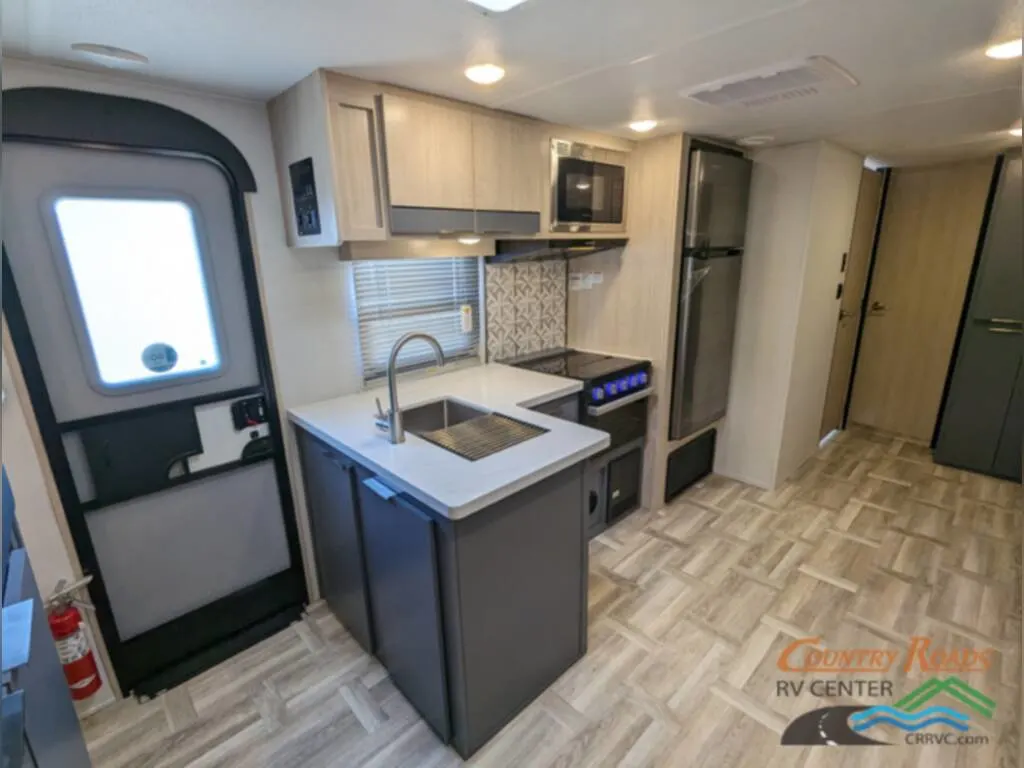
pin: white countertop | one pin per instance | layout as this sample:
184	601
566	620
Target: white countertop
445	482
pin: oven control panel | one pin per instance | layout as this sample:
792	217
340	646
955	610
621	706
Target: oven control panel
620	384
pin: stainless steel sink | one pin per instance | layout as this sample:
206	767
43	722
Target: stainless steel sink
439	414
466	431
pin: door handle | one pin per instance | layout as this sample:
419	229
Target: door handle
843	314
996	329
877	308
379	488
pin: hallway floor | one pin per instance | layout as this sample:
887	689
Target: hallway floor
691	608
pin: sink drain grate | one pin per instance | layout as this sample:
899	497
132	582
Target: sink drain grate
482	436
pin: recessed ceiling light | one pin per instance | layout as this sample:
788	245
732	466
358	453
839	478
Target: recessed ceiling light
643	126
1017	131
1008	50
109	55
497	6
469	240
485	74
755	141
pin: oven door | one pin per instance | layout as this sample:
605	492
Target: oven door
588	195
624	420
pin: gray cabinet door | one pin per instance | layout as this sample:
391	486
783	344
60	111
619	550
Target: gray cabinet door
1008	456
1000	280
337	538
401	561
979	396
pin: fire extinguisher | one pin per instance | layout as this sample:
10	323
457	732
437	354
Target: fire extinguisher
68	630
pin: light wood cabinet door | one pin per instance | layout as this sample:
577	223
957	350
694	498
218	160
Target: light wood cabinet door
508	164
429	154
357	182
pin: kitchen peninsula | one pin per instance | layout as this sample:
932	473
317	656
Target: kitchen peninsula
466	578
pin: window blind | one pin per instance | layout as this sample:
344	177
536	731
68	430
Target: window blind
426	295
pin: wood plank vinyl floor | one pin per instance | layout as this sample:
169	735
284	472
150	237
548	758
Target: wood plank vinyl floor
690	609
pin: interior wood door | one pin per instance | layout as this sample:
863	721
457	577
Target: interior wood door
928	240
855	276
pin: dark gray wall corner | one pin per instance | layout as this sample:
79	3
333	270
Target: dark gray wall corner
69	116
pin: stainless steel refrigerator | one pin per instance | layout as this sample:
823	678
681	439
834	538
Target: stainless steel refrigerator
718	190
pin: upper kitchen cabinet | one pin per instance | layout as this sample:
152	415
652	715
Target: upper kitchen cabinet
429	154
509	160
328	151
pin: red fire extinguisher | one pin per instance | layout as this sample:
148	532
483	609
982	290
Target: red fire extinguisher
68	630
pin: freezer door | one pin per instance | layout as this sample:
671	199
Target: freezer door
707	326
716	200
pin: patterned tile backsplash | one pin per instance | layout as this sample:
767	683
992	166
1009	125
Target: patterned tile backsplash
525	307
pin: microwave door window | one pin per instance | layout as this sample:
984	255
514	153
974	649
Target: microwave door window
608	186
575	190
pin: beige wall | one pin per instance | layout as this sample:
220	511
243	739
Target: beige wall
803	200
632	312
834	195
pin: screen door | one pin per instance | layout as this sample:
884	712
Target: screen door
133	296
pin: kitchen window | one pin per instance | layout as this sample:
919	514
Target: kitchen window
436	296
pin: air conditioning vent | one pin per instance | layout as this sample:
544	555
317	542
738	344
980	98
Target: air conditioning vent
771	85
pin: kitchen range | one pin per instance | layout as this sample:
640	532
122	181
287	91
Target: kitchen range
613	400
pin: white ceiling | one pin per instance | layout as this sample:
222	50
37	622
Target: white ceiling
926	90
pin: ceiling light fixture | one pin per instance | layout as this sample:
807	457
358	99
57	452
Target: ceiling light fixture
469	240
755	141
1018	132
109	55
643	126
485	74
1008	50
497	6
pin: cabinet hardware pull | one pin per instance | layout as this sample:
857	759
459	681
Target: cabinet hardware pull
1004	330
379	488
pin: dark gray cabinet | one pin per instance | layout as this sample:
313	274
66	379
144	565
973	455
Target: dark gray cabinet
982	423
974	418
401	560
473	618
1010	454
336	526
514	588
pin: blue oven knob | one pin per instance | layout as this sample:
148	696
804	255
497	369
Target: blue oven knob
624	384
597	394
642	376
634	380
611	388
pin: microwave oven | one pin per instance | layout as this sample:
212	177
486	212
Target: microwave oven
588	188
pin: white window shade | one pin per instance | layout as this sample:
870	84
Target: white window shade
425	295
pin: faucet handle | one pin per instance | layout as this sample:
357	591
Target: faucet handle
381	419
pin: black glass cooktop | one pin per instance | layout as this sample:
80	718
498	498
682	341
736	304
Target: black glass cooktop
586	366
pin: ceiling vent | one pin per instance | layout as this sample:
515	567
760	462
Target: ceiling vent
774	85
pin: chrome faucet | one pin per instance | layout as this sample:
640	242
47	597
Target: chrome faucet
392	420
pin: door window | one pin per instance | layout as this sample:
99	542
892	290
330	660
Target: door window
137	276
